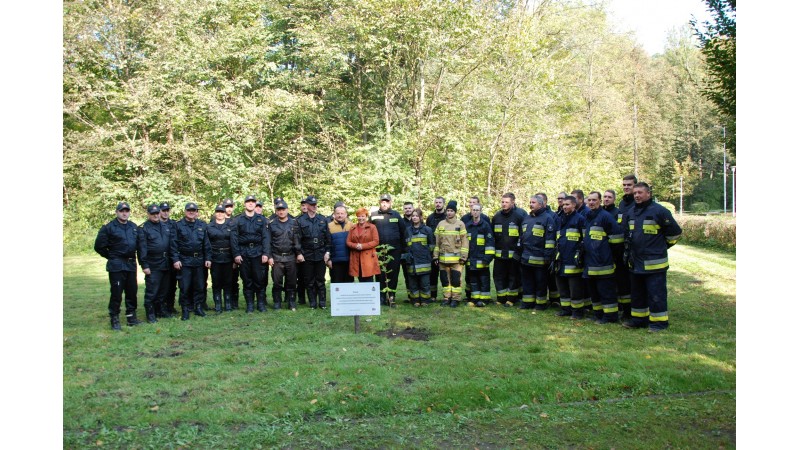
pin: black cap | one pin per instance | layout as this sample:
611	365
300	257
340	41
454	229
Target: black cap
311	200
386	197
153	209
277	200
250	198
452	205
281	205
259	204
123	205
191	206
164	206
219	208
227	202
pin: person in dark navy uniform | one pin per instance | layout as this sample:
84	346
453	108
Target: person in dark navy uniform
190	251
172	281
315	241
250	244
116	241
219	233
154	240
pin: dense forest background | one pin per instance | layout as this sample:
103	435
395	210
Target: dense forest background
193	100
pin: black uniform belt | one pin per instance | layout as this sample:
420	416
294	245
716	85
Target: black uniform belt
192	254
284	254
221	250
252	244
126	259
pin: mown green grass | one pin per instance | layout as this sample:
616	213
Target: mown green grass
486	378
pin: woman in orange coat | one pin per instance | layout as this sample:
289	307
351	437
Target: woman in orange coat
362	240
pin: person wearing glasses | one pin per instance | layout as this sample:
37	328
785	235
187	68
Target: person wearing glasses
116	241
154	240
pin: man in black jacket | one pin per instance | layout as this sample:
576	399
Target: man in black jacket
154	240
315	242
283	254
391	232
250	245
190	251
116	241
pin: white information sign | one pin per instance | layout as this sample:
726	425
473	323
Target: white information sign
355	299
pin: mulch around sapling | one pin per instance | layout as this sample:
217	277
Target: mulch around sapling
413	333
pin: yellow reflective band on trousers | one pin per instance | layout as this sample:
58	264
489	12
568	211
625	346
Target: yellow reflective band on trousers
527	298
481	265
626	299
572	270
500	252
537	260
655	264
549	244
601	270
610	308
541	301
422	268
565	302
489	251
644	312
616	238
659	317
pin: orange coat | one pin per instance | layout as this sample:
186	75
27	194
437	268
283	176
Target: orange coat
364	262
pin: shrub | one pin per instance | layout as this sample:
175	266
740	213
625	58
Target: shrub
699	207
713	231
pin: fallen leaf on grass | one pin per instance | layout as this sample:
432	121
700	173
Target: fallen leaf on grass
429	409
99	443
313	401
544	415
647	357
154	408
486	397
296	373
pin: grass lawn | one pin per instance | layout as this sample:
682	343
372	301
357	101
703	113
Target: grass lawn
485	378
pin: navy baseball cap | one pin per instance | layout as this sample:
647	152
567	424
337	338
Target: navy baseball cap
281	205
153	209
164	206
250	198
123	205
386	197
191	207
227	202
219	208
311	200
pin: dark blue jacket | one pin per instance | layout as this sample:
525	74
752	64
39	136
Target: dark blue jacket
339	232
419	249
250	238
537	240
220	236
601	237
569	238
506	227
651	231
154	239
117	243
191	245
481	243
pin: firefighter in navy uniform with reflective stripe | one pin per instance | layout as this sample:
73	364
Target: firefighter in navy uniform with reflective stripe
623	275
537	245
603	239
116	241
391	231
315	241
250	245
568	240
451	253
418	258
553	295
506	225
481	253
154	237
219	233
190	251
651	231
467	218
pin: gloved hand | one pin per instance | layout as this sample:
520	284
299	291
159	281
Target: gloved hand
579	257
462	261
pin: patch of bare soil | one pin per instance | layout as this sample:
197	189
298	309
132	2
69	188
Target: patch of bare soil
413	333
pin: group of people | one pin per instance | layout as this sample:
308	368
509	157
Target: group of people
590	257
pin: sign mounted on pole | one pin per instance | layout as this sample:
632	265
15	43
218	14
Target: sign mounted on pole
355	299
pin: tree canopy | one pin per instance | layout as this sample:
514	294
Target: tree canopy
347	99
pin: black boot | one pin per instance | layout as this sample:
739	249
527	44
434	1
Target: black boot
198	309
132	320
235	299
151	314
165	312
312	299
228	304
115	322
276	299
321	298
185	310
290	299
262	301
248	298
218	301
